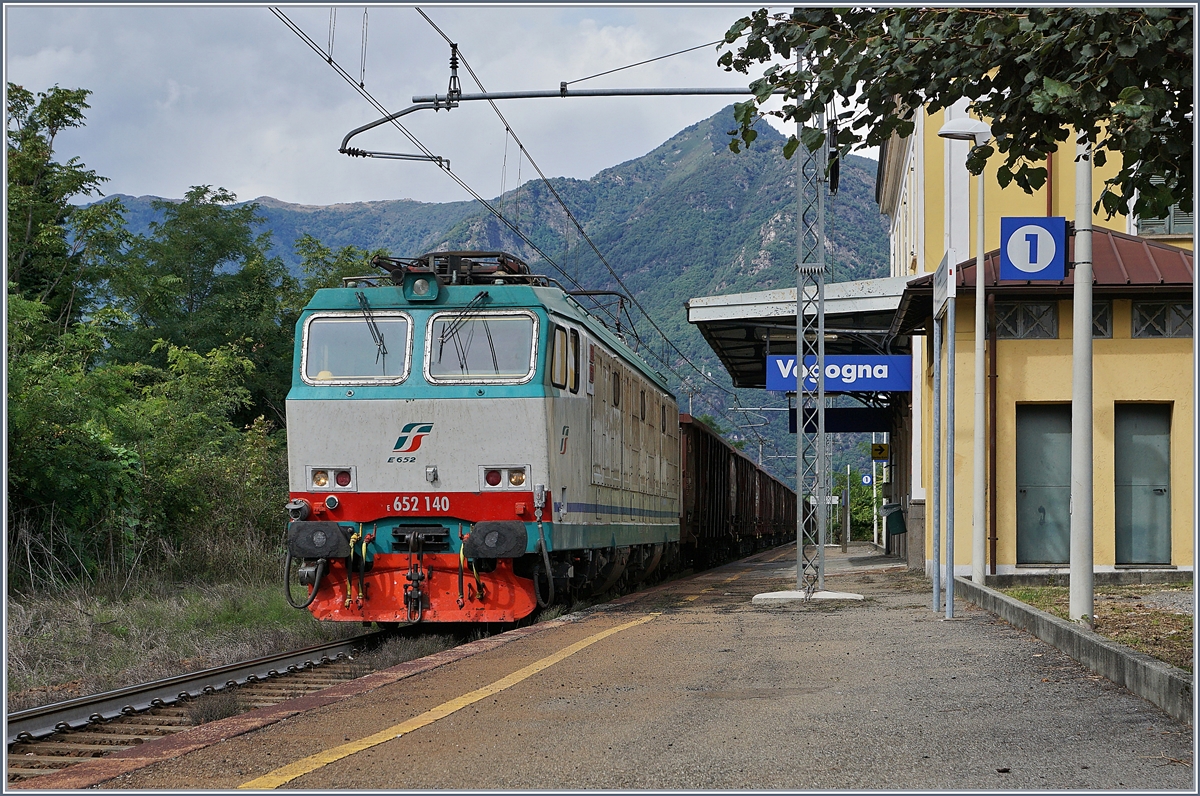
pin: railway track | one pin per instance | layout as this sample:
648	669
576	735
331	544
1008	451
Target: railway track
53	737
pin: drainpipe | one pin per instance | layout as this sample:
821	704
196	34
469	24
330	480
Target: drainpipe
1049	184
992	378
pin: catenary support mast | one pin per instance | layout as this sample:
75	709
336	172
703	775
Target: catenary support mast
811	470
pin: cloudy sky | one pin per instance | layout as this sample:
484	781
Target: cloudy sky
229	96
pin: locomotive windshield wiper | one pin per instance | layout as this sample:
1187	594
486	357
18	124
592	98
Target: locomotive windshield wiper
376	334
451	331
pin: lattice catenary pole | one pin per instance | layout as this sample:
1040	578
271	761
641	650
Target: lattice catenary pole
811	477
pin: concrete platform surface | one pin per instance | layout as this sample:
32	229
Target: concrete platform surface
690	686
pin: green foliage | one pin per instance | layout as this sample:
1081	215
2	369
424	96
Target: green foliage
323	267
862	505
1120	76
53	246
118	466
203	279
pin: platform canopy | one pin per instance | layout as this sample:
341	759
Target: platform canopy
743	328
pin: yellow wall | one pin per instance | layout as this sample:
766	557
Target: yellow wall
1039	371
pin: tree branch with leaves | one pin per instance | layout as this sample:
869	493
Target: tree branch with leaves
1122	77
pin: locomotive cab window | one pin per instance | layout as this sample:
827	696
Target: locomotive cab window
558	358
355	348
573	362
481	348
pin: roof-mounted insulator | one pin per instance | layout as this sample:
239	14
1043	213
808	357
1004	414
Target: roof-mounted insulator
455	90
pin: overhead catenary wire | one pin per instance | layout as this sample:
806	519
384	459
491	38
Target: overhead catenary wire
642	63
362	60
332	31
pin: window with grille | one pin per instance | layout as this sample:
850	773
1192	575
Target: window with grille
1027	320
1102	319
1162	319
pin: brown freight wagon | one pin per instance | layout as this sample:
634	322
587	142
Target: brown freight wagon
731	507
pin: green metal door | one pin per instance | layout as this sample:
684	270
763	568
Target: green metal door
1142	447
1044	484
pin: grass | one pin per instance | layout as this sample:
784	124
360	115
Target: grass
398	649
214	707
1127	615
70	644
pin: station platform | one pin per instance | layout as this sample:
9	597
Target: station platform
689	685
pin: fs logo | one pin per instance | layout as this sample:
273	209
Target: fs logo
411	436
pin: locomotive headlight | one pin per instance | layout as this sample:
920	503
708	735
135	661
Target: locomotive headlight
320	478
516	477
421	287
492	477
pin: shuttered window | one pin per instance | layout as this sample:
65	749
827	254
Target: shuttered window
1176	222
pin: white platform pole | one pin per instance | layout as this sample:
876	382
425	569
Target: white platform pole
1082	596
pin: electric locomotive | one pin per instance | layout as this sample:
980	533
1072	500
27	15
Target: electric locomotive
467	442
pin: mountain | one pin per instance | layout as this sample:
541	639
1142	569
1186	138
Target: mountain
688	219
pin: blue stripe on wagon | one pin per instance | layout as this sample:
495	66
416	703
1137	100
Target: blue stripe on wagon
615	511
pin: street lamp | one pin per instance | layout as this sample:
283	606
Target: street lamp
967	129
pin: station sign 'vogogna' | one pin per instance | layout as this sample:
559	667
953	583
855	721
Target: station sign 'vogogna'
857	373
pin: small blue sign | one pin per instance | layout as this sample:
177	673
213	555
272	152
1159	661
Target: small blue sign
864	373
1033	248
866	479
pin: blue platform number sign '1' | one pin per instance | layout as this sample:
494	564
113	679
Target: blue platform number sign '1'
848	373
1033	248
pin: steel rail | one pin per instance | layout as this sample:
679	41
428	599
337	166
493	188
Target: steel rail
34	723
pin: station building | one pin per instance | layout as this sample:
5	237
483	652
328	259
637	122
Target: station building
1143	377
1143	374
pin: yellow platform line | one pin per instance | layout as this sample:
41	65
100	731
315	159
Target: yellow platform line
776	558
281	776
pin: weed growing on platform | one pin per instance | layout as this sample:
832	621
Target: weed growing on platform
1149	618
397	650
214	707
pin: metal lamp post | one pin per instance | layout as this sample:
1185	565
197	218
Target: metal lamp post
966	129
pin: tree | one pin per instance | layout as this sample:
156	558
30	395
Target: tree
54	246
204	280
323	267
1122	77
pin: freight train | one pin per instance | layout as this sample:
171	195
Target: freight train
466	443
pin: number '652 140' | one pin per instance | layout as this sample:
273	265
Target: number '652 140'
404	503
